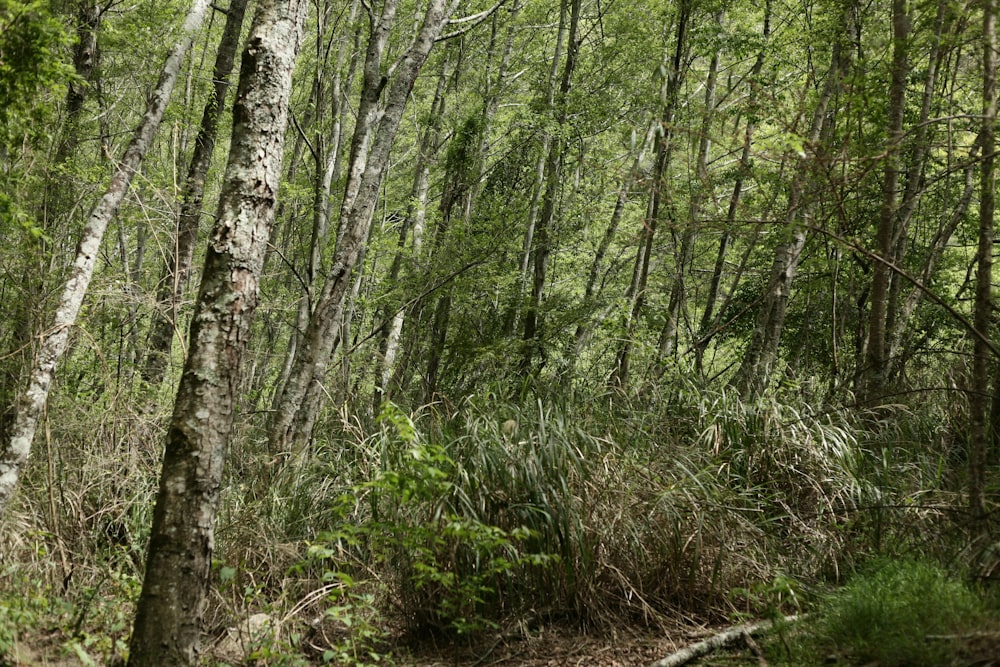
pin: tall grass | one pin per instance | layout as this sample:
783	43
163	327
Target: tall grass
644	512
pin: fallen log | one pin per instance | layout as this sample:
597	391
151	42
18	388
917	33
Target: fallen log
720	640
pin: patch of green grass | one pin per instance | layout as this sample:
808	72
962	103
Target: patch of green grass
893	613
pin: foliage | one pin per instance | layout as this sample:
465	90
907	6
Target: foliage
493	494
895	612
448	563
93	627
32	59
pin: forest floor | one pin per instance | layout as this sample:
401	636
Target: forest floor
640	647
550	646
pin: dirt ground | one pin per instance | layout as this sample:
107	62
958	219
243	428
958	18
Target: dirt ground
556	647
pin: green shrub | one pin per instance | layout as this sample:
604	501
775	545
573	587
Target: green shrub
448	564
886	613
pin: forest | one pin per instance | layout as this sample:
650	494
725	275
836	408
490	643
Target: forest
499	332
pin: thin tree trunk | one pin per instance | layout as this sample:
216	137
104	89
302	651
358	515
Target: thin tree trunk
874	375
897	316
22	316
462	182
667	343
936	250
169	611
640	275
709	322
754	373
540	243
364	181
84	63
585	329
31	403
416	217
178	266
341	88
539	184
979	393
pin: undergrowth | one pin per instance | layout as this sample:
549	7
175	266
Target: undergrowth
454	520
894	613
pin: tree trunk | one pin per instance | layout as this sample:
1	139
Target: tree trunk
709	322
462	180
391	322
84	63
899	309
702	185
169	611
31	402
585	329
637	289
754	373
341	88
540	244
874	375
979	391
178	266
367	169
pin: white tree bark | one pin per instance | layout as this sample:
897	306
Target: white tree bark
31	403
721	640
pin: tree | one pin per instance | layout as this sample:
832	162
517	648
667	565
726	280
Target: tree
660	197
979	438
178	264
30	43
169	611
297	409
873	379
31	402
538	232
710	321
754	373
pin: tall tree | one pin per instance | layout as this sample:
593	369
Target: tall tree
391	323
710	322
979	390
295	415
754	373
540	242
178	264
899	308
169	611
660	198
874	375
31	402
701	187
85	58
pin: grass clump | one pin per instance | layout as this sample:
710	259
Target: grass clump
888	611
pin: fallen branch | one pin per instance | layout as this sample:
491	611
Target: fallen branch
752	645
717	641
